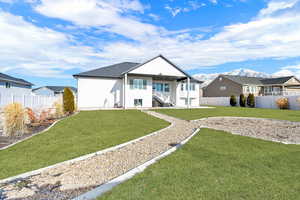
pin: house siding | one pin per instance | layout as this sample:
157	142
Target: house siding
15	88
96	93
213	89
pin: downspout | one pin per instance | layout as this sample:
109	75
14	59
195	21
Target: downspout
188	91
124	90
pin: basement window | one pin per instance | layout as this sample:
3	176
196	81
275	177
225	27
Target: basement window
7	85
138	102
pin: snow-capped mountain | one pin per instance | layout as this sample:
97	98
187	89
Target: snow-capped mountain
207	78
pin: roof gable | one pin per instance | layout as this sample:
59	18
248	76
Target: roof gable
158	65
112	71
279	80
8	78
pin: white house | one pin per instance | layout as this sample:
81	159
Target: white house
15	86
53	90
156	82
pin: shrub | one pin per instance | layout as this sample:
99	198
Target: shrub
68	101
14	119
298	100
242	100
251	100
233	101
59	110
31	115
283	103
44	116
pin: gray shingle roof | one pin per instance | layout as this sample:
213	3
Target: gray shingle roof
118	70
279	80
57	88
245	80
8	78
112	71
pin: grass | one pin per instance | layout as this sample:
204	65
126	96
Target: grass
191	114
84	133
216	165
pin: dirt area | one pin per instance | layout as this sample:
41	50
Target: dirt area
267	129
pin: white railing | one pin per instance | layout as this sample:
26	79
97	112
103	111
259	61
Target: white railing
165	97
28	100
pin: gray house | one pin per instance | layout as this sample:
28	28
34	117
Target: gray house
9	84
53	90
227	85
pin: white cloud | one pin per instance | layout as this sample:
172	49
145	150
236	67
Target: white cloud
36	51
191	6
290	70
214	1
154	17
275	6
262	37
105	14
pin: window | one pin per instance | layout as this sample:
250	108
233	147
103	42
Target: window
184	86
222	88
192	87
161	87
138	84
167	87
138	102
8	85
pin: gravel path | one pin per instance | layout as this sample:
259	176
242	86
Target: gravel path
267	129
70	180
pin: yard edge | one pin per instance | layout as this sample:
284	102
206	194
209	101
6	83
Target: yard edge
43	131
84	157
100	190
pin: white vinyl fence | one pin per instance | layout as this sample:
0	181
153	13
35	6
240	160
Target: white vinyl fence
260	101
27	100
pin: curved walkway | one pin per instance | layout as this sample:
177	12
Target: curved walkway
70	180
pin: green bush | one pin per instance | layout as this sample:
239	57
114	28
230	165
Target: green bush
68	101
233	101
251	100
242	100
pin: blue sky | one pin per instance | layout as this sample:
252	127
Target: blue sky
46	41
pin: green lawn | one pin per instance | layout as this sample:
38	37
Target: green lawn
191	114
216	165
84	133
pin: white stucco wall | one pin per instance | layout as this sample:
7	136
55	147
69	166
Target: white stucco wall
158	66
182	96
145	94
99	93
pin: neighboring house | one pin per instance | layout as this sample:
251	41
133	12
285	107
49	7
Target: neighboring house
12	85
227	85
156	82
52	90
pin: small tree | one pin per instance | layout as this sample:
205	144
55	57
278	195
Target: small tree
282	103
251	100
242	100
233	101
68	101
